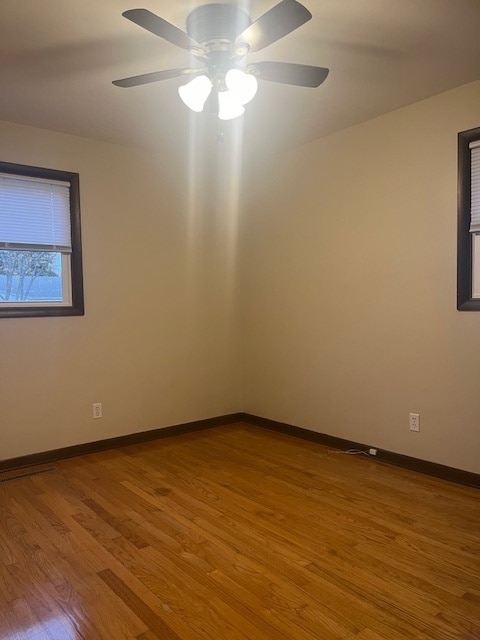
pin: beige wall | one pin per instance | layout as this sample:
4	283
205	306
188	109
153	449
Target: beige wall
347	306
157	343
349	287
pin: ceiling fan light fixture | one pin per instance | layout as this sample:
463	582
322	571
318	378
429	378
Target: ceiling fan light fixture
195	93
220	35
242	85
229	106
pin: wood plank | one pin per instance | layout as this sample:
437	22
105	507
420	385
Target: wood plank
239	533
153	621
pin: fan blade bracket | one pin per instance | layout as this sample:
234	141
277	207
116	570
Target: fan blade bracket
199	52
240	50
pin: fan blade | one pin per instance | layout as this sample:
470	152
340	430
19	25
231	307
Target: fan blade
302	75
160	27
279	21
146	78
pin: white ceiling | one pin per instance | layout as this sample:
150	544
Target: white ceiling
57	61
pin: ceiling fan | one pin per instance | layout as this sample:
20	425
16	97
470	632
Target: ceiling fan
219	37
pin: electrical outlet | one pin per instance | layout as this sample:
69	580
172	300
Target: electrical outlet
97	410
372	451
414	422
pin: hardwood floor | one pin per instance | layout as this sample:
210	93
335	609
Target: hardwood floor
237	533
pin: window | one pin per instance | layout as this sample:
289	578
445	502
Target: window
468	265
40	243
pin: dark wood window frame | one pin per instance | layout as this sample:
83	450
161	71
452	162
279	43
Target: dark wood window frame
76	308
465	302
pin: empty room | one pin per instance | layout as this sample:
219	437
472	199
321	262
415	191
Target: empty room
240	320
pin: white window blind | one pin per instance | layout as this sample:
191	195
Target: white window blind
475	187
34	214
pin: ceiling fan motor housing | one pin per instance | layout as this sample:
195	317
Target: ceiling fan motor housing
216	24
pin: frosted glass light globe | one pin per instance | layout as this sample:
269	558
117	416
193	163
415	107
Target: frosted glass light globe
228	106
242	85
195	93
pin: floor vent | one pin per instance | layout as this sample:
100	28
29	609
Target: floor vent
18	474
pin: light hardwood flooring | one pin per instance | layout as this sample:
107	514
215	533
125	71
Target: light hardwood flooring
237	533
